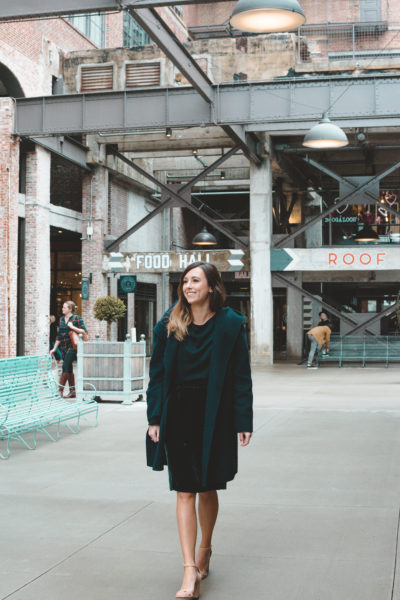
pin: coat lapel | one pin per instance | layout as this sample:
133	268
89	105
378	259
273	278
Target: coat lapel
226	330
171	348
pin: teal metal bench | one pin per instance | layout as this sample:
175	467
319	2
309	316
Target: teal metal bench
362	349
30	402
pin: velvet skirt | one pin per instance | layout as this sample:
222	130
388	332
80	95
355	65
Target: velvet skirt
184	440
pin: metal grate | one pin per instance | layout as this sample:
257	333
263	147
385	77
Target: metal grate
142	74
97	78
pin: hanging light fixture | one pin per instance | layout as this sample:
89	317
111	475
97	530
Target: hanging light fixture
204	238
367	234
325	135
267	16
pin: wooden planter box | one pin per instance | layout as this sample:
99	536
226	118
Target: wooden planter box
116	369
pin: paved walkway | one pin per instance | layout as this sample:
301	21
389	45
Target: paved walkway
312	515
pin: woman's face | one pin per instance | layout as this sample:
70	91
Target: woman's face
65	309
195	287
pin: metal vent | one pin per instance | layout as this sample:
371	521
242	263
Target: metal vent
142	74
96	78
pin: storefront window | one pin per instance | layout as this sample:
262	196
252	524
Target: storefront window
66	279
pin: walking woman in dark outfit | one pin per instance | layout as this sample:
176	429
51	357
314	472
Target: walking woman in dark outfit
199	398
69	321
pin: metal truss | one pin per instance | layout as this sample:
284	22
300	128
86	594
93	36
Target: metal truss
343	317
174	198
30	9
347	199
277	107
363	326
65	147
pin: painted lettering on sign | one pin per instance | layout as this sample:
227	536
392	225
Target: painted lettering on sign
374	259
341	219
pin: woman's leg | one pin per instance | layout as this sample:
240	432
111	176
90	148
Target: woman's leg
208	513
187	528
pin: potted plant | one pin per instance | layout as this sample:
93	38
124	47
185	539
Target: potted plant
110	309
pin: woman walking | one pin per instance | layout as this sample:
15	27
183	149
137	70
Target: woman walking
69	321
199	398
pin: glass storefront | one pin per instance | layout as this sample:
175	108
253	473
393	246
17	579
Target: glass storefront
66	270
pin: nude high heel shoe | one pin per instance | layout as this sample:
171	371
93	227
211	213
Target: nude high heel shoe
204	573
195	591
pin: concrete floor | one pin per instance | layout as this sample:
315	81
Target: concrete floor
312	515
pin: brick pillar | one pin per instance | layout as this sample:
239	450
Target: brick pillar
9	177
37	252
94	205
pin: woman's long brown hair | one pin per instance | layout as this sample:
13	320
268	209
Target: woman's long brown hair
181	315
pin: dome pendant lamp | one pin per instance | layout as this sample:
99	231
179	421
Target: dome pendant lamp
204	238
325	135
267	16
367	234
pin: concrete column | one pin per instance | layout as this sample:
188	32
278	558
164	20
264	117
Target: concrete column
94	211
9	177
37	252
294	323
260	246
131	312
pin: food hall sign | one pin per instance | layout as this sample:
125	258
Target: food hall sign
166	262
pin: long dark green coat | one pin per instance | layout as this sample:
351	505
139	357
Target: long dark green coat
229	395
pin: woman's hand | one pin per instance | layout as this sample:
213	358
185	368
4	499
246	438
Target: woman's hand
154	432
245	438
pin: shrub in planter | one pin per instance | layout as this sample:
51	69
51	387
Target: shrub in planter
109	309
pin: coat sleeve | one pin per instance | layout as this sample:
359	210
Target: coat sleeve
156	375
242	385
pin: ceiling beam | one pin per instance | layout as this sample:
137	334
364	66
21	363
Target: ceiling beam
65	147
32	9
268	106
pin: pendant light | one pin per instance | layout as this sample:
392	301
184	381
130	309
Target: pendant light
325	135
267	16
367	234
204	238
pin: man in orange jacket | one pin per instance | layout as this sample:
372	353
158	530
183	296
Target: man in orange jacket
318	336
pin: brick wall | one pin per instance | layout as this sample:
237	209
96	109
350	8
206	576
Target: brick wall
37	252
9	158
114	29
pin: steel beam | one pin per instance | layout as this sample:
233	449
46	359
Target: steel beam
161	34
331	309
31	9
378	317
345	200
175	198
165	39
270	106
66	148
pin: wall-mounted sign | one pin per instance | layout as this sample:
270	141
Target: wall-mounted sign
341	219
165	262
127	284
85	289
351	258
336	259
